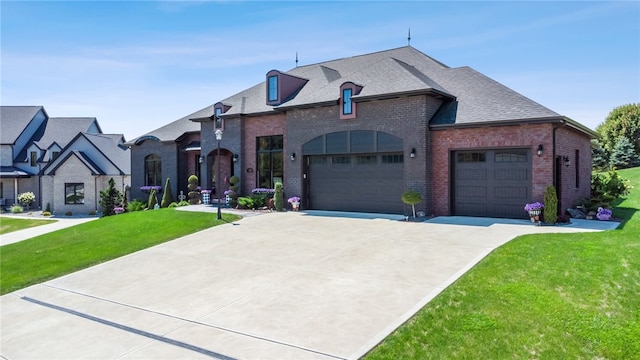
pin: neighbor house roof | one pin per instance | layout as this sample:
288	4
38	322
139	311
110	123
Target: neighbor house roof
61	130
14	120
105	148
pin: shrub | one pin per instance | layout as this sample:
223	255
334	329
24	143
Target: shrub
173	205
46	213
16	209
278	197
193	190
135	205
246	202
234	186
26	198
68	213
110	198
153	199
183	203
167	196
48	208
92	212
412	197
550	214
605	188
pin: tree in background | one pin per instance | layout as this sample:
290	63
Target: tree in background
623	155
622	122
600	158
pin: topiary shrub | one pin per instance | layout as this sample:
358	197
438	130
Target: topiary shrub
153	199
46	213
27	198
234	186
412	197
278	197
194	194
550	214
48	208
167	196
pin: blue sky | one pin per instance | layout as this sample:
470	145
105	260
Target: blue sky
138	65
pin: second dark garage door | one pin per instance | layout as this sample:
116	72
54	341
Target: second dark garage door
362	182
491	183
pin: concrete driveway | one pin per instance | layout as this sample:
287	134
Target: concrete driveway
277	286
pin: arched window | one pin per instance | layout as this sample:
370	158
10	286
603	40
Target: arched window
153	170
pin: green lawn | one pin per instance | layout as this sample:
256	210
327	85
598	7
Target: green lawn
558	296
8	224
64	251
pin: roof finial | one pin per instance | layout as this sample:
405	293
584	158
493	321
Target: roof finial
296	59
409	37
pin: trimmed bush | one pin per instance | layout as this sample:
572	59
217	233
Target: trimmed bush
194	194
550	214
278	197
167	196
412	197
16	209
46	213
153	199
135	205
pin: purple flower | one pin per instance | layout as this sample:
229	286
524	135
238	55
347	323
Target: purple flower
205	191
603	211
150	187
533	206
294	199
263	191
228	192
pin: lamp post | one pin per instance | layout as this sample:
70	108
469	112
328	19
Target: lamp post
218	137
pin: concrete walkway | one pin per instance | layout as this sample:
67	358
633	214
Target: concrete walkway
60	223
278	286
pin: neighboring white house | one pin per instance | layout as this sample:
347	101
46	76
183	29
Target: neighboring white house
65	162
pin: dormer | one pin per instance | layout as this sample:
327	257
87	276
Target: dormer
218	110
347	105
282	87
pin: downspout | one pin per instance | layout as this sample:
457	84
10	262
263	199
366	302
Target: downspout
553	164
95	191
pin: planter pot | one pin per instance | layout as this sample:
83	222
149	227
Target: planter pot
295	206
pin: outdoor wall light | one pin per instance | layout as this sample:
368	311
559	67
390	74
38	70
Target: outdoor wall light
413	153
539	149
566	160
236	157
293	156
201	159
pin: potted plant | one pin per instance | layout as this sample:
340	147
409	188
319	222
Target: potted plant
295	202
534	210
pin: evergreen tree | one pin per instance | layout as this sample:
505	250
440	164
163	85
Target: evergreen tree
623	121
623	155
600	160
110	198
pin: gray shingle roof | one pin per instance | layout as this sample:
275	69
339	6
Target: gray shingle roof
175	129
62	130
111	146
14	119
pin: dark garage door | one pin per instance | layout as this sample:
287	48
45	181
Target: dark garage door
363	182
491	183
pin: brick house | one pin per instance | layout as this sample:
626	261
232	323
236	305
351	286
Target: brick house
64	161
353	134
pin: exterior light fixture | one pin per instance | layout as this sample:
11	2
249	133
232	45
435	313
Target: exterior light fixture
566	160
219	138
201	159
540	150
293	156
236	157
412	154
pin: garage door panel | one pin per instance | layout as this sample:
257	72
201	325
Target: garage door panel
494	182
369	187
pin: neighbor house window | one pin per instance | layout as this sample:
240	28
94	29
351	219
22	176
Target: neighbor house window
272	88
577	169
218	123
73	193
152	170
34	158
269	151
55	155
347	109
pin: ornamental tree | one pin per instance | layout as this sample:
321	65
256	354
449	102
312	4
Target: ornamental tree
26	198
110	198
412	197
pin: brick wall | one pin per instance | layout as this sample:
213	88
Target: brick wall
404	117
520	136
168	153
568	141
254	127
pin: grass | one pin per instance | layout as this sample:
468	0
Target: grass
64	251
8	225
544	296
